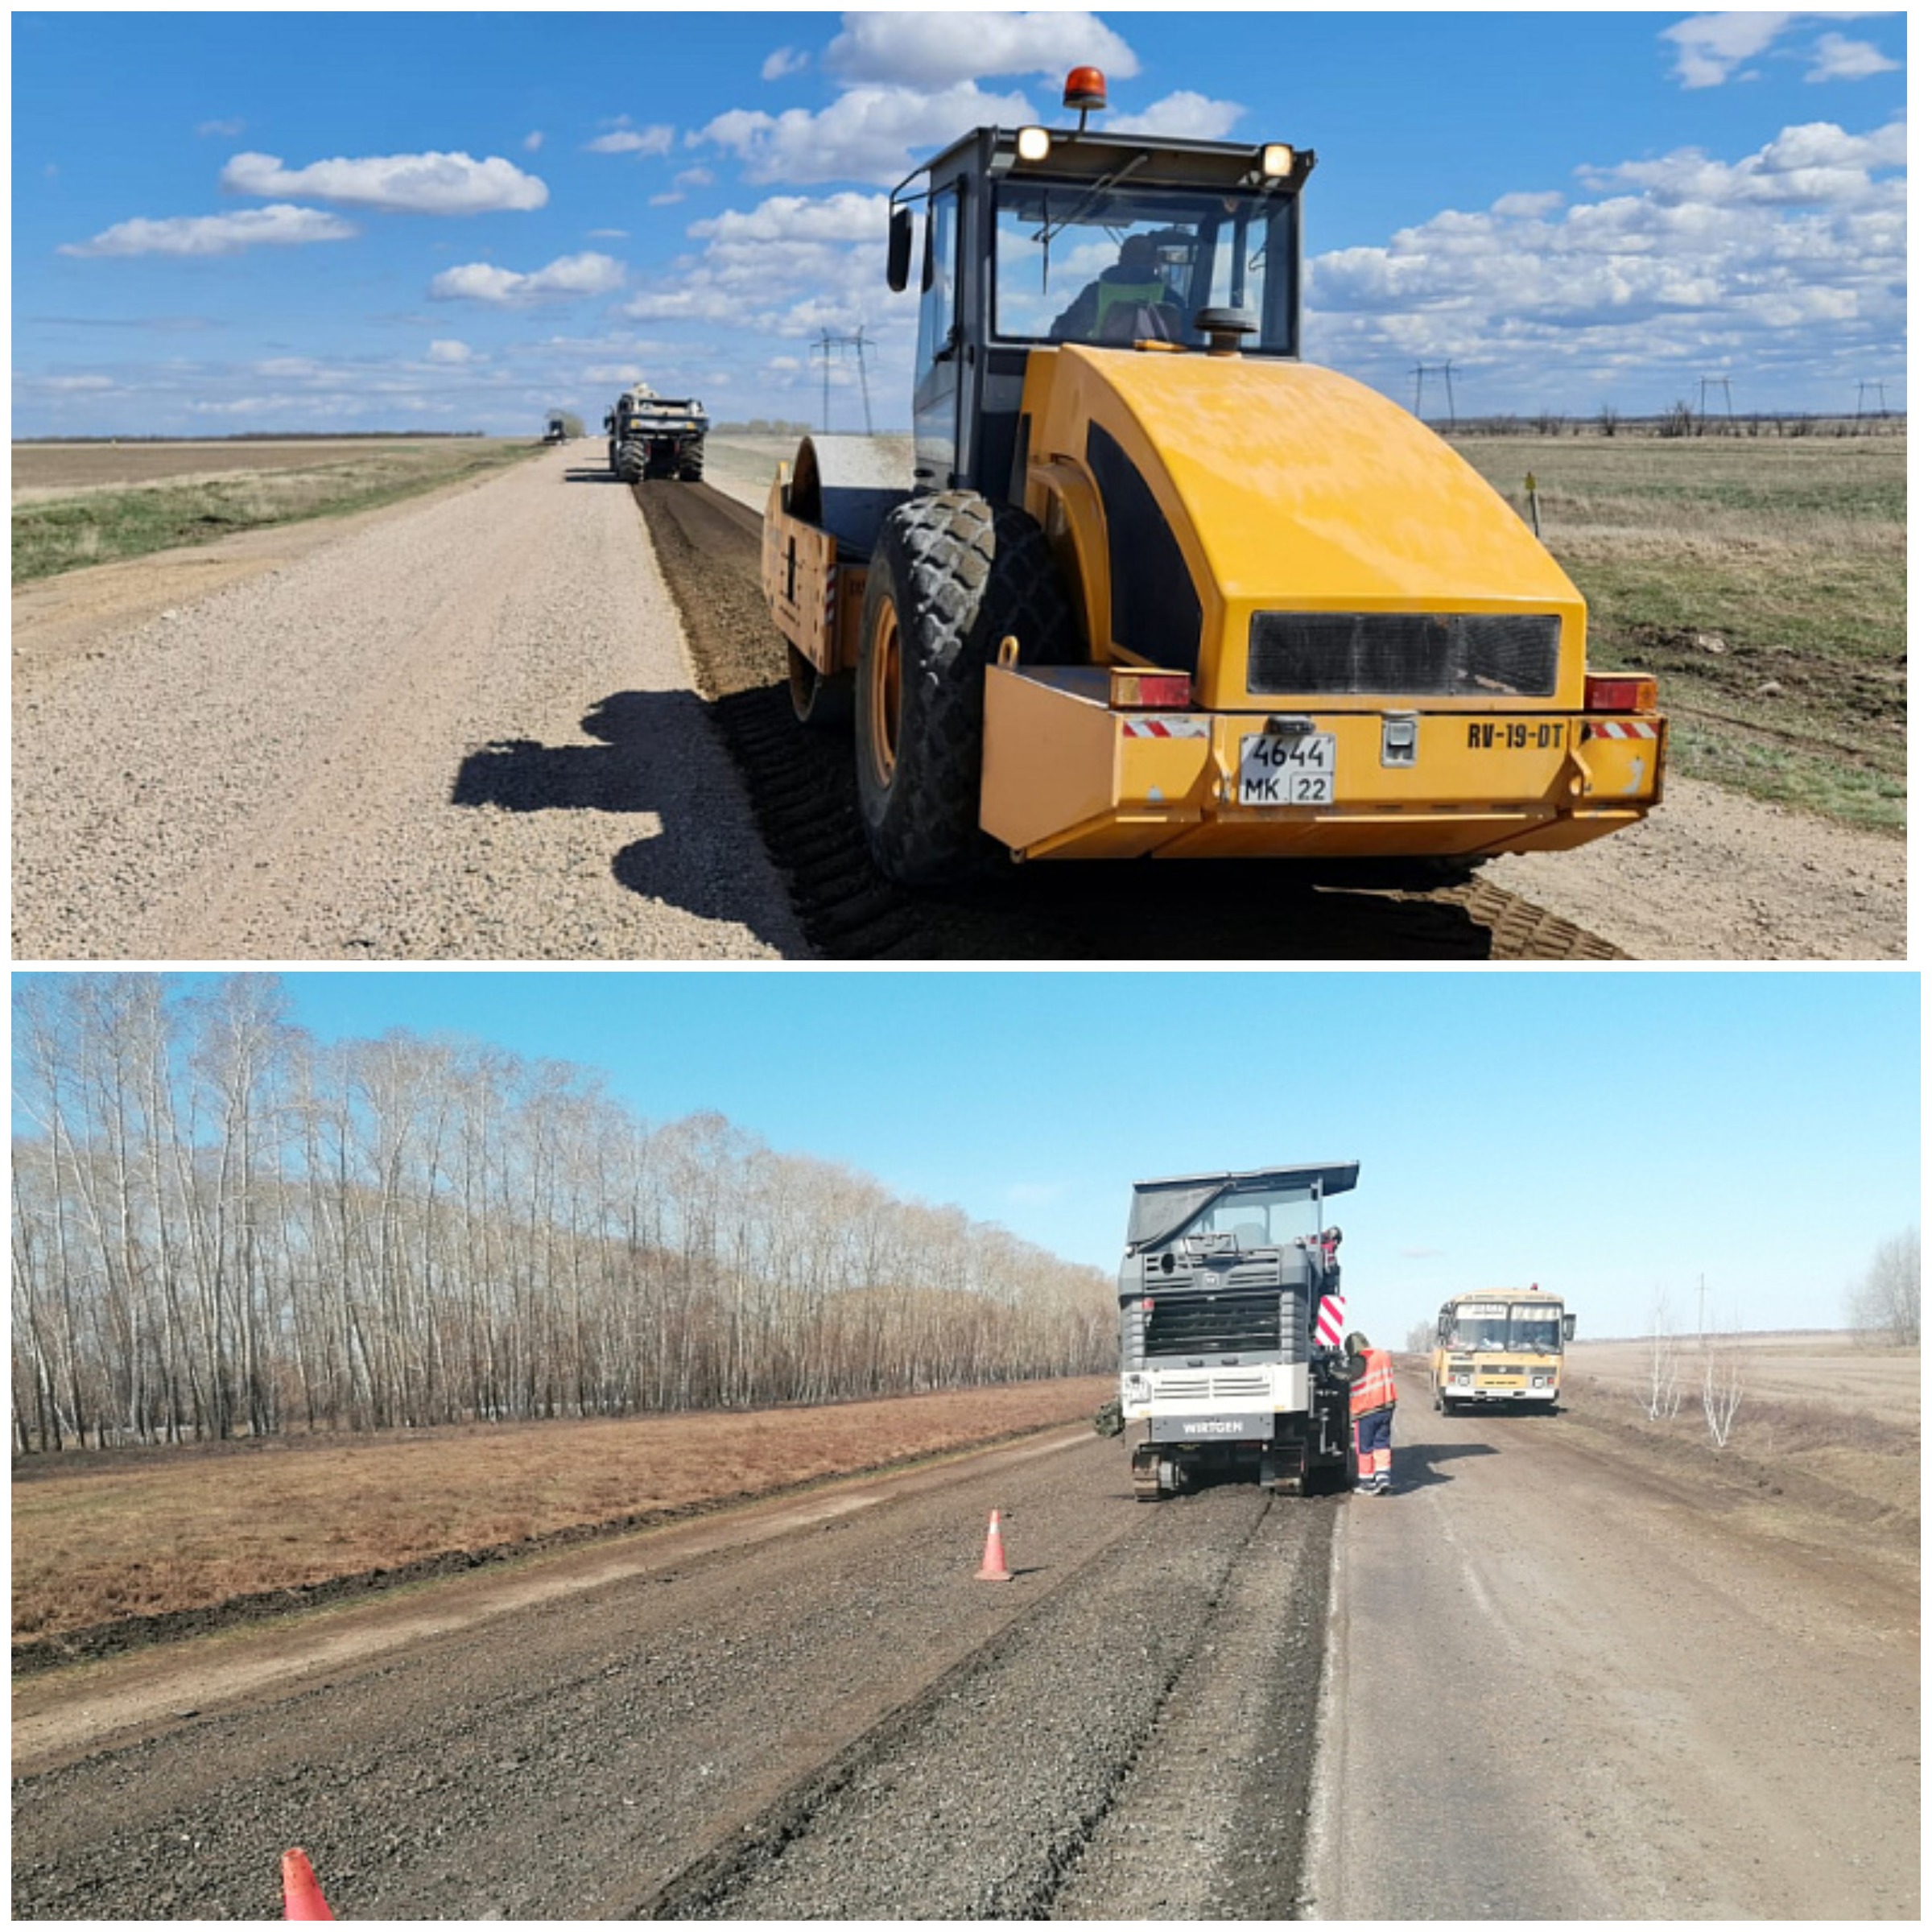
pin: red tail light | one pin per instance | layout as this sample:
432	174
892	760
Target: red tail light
1086	90
1150	690
1620	693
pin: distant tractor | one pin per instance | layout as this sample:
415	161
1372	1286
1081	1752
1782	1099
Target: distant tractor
556	432
1155	586
654	436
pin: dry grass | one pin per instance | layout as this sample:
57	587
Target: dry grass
1831	1427
132	508
1762	580
97	1538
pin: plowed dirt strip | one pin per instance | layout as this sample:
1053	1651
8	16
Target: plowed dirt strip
800	785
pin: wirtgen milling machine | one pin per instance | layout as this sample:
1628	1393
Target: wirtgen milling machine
1156	586
1230	1330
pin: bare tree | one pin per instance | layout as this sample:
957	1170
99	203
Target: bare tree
1660	1394
1722	1385
1421	1337
1882	1304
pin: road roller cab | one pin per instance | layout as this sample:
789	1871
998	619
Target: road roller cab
1156	586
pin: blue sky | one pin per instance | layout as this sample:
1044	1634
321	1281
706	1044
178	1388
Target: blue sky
1608	1134
248	221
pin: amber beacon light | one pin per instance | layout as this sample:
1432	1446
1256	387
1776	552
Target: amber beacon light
1086	90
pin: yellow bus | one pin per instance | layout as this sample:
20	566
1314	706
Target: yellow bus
1499	1345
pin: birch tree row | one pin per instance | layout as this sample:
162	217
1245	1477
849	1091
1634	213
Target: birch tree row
222	1228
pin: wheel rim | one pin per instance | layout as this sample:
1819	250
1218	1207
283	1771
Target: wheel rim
882	694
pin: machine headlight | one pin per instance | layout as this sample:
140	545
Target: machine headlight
1032	144
1278	159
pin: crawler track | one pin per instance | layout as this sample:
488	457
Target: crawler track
800	786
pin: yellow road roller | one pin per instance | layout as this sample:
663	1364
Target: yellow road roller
1155	587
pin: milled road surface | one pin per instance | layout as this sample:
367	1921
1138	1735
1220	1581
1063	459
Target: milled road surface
1564	1679
697	1731
1564	1688
464	731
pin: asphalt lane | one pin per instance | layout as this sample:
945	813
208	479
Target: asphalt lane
1565	1683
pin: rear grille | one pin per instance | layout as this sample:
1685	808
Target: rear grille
1223	1324
1402	653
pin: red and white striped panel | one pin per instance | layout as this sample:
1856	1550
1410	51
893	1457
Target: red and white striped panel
1328	1320
1620	727
1163	728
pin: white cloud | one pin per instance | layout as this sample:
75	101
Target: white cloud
70	385
451	353
608	234
1183	116
1818	162
935	51
1834	58
869	134
228	130
568	276
791	266
1713	49
783	62
1710	48
278	226
624	139
1790	255
422	184
1526	207
533	141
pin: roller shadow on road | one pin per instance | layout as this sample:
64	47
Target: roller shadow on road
599	475
643	763
1416	1466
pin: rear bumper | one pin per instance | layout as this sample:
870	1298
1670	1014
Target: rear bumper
1066	777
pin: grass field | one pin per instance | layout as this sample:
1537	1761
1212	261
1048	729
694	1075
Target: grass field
80	503
100	1538
1762	579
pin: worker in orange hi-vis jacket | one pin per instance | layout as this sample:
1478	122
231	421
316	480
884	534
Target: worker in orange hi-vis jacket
1371	1411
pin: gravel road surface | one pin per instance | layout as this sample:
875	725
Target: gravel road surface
1564	1688
464	731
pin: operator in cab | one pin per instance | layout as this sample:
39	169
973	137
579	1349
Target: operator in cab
1125	302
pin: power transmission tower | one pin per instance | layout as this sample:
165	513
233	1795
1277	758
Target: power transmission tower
859	343
1446	370
1705	385
1862	387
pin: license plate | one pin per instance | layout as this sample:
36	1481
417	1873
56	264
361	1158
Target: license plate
1549	736
1288	770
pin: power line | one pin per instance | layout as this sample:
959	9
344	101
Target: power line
1446	370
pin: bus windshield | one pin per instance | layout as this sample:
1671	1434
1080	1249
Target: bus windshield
1529	1330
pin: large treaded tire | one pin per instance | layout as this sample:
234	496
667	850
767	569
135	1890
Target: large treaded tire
952	574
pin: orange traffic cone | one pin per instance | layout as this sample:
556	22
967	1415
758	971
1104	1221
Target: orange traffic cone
301	1896
993	1565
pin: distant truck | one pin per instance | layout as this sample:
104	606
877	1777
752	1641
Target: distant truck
555	430
1499	1345
1231	1327
654	436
